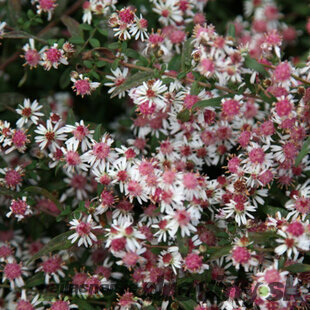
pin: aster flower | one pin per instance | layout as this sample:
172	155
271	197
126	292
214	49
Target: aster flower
171	258
117	79
29	112
52	57
14	273
169	12
19	208
83	85
46	6
83	231
31	55
49	135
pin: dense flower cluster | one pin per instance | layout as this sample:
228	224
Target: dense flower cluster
209	189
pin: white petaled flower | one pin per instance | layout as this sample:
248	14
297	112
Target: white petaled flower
46	6
83	231
52	266
32	56
24	303
169	12
100	152
180	218
83	85
151	92
117	79
73	160
14	272
139	29
240	211
49	135
19	208
81	135
28	111
171	258
52	57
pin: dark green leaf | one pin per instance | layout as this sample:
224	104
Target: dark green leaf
73	26
220	252
94	42
76	40
88	64
213	102
64	80
296	268
262	237
186	57
133	81
184	116
83	304
58	243
271	210
36	280
98	132
231	32
188	304
251	63
303	152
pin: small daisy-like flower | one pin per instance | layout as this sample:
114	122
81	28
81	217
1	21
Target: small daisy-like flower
28	111
53	57
17	141
240	210
31	55
100	152
193	262
19	208
87	12
139	29
24	303
14	272
52	267
241	255
73	160
151	92
83	85
62	305
50	135
81	135
117	79
12	177
180	218
171	258
83	231
169	12
46	6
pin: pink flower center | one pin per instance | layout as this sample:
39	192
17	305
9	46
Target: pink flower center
50	136
73	158
19	138
32	58
126	16
231	107
5	251
190	100
130	259
52	265
60	305
101	150
83	228
82	87
80	132
182	217
47	5
167	258
302	205
19	207
134	188
193	261
289	150
282	72
78	181
296	229
190	181
24	305
283	107
207	65
12	271
118	244
27	112
241	255
12	178
257	155
272	276
165	13
53	55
